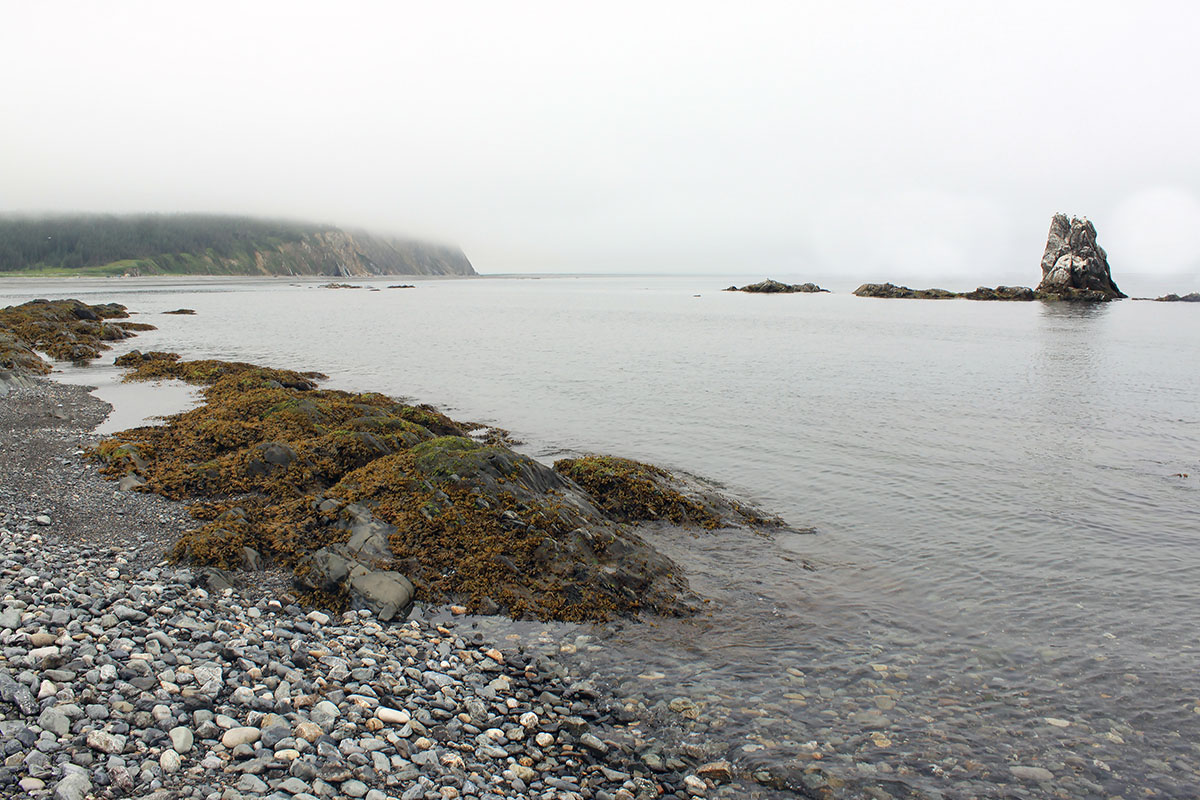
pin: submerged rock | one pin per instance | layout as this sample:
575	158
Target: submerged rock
775	287
1074	266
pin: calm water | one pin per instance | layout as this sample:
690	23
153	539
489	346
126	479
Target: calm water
1007	569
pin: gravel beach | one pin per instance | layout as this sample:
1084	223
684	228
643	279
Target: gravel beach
123	676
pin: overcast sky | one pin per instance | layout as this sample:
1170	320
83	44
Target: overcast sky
874	140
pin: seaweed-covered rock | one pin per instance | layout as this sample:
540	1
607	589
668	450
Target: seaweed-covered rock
775	287
342	485
482	522
66	330
1074	266
631	491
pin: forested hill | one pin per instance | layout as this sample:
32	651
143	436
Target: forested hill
191	244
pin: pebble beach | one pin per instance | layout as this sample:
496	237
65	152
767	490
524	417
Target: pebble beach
123	676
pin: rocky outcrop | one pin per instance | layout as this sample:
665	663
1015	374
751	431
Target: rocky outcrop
1018	293
373	502
65	330
775	287
1193	297
1074	266
357	569
890	290
902	292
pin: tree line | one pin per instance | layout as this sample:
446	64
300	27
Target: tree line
86	240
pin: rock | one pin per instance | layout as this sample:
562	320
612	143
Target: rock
113	744
130	482
73	786
1018	293
327	570
181	739
354	788
775	287
890	290
270	457
593	743
54	721
308	731
1074	266
251	783
169	761
368	543
241	735
42	519
1192	297
392	716
385	594
1038	774
10	619
716	771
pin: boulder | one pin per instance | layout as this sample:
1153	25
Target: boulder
1074	266
386	594
269	457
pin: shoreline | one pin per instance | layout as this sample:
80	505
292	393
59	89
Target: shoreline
107	545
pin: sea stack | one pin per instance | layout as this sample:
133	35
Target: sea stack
1074	267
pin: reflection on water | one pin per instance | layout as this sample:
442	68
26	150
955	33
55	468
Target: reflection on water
1006	565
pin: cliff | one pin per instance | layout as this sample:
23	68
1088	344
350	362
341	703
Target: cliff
211	245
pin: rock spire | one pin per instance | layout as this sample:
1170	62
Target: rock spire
1074	267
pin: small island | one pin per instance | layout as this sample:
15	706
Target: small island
776	287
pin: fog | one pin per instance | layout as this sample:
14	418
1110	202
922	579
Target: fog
871	141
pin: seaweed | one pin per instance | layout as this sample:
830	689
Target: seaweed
632	491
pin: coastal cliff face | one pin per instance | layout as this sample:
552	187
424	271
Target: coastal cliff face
199	244
1074	266
332	252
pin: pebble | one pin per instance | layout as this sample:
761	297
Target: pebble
181	739
240	735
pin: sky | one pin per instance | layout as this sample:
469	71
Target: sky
865	140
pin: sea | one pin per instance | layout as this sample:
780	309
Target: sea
1001	598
